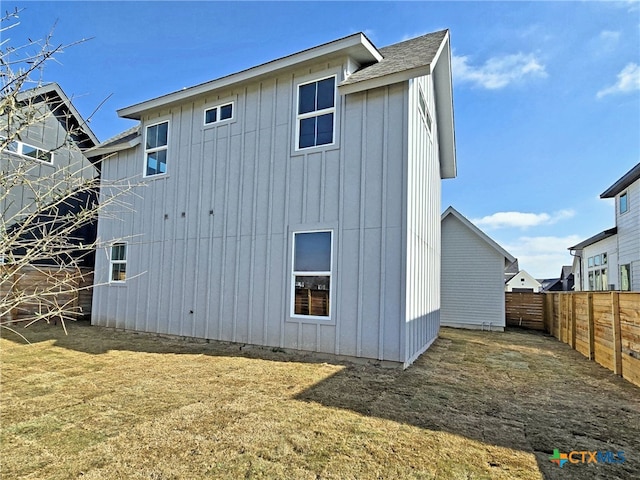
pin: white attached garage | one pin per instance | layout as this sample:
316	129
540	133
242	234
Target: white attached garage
473	266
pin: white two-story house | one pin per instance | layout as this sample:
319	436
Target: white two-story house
610	260
295	204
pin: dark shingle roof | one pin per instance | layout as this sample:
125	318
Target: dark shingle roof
626	180
399	57
596	238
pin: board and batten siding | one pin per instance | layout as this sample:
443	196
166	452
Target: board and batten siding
472	279
629	234
48	134
209	243
422	177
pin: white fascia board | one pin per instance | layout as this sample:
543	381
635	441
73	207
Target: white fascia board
94	152
356	46
486	238
443	85
54	87
385	80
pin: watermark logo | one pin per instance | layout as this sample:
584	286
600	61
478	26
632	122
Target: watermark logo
559	458
584	456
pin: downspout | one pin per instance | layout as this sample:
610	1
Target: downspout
581	276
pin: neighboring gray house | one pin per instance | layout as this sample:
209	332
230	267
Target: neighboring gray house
48	138
610	260
295	204
473	268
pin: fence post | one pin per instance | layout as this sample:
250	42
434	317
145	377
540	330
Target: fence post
572	302
592	333
617	335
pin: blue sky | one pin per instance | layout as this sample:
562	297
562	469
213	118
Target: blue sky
546	94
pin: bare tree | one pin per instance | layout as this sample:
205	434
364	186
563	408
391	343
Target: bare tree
49	189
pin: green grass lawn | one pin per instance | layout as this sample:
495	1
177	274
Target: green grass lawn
101	404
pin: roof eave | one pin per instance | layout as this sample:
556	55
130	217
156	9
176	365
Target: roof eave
443	85
598	237
356	46
483	236
627	179
55	88
385	80
108	150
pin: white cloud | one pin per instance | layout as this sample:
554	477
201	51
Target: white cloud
609	36
628	81
543	257
498	72
521	219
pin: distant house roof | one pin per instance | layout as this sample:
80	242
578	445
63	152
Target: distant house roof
596	238
549	284
483	236
566	271
626	180
53	93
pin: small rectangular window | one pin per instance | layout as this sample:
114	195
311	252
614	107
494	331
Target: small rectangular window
311	282
156	147
316	113
424	111
26	150
624	205
590	261
597	260
118	262
218	113
625	277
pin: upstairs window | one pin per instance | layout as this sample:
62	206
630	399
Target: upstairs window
25	150
218	113
315	114
624	203
156	146
424	111
311	296
118	262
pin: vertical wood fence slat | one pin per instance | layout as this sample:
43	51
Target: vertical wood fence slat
617	337
592	335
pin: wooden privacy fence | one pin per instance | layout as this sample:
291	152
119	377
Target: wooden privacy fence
603	326
525	309
45	290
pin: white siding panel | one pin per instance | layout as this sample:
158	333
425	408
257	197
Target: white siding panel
629	234
472	279
241	189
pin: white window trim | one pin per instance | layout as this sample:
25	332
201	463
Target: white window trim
156	149
427	118
218	107
316	113
20	148
294	273
113	262
623	194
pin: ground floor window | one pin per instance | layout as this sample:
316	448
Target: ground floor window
118	262
625	277
311	282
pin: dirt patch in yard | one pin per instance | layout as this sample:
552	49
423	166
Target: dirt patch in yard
105	404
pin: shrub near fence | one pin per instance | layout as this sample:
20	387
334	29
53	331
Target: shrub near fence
603	326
